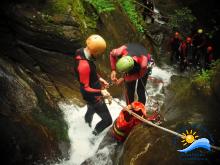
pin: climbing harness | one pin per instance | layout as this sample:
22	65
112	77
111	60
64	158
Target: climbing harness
155	125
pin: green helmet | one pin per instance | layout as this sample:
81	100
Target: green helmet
125	64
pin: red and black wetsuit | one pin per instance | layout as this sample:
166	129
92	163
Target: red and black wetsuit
90	88
85	71
139	71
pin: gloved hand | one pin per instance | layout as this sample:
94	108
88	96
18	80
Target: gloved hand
113	76
105	84
106	95
119	81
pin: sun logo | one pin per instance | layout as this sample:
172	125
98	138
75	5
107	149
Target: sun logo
190	137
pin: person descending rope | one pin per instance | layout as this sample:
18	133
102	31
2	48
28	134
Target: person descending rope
133	61
90	82
125	122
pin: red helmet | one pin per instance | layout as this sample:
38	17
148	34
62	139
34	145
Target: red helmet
176	34
209	49
138	106
188	40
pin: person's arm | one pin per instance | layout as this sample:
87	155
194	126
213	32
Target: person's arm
104	83
142	61
115	53
84	72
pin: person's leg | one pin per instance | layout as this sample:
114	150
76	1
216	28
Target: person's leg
129	91
141	89
106	120
177	55
89	114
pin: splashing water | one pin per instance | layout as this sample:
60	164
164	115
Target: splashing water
83	143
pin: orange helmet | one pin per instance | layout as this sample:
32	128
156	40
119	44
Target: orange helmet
188	40
209	49
138	106
96	44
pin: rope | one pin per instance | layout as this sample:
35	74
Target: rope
157	126
149	122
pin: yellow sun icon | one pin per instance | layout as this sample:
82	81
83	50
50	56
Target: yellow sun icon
190	137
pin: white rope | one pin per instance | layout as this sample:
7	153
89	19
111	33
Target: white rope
149	122
157	126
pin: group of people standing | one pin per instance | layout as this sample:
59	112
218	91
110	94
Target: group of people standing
134	64
195	51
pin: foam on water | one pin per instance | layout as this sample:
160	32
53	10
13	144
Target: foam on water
83	143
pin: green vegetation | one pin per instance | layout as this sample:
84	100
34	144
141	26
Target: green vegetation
203	80
59	6
88	18
132	13
54	122
102	5
85	20
181	20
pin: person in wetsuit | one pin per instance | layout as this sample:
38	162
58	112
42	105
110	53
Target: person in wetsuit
133	61
90	82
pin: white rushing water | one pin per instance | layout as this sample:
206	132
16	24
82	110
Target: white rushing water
83	143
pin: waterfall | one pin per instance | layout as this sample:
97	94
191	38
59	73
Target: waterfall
83	143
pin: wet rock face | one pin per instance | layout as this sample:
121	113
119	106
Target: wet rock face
39	43
44	39
184	108
215	84
43	43
30	121
147	145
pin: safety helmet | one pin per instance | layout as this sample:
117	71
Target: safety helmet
96	44
138	106
176	34
125	64
209	48
188	40
200	31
